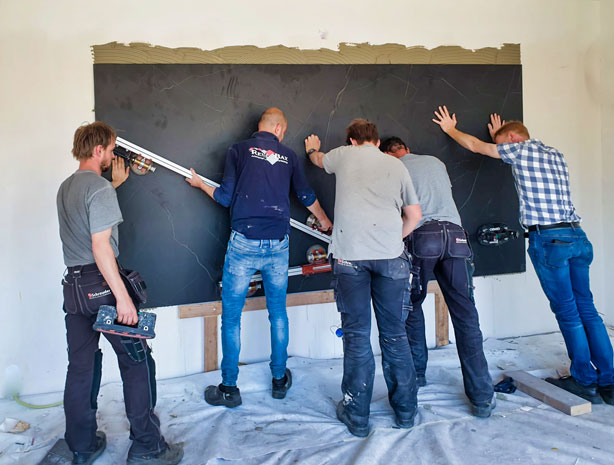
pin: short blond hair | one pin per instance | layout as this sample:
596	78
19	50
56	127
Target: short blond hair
512	126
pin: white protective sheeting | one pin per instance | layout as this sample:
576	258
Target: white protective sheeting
303	429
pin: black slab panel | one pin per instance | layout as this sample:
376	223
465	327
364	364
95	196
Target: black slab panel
176	236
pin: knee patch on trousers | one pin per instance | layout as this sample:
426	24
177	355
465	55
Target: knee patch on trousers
135	348
151	368
96	377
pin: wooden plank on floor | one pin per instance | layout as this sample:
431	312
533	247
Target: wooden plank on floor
550	394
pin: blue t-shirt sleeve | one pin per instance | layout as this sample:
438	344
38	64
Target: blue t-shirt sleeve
223	194
303	190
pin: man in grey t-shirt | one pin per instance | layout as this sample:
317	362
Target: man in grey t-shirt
440	249
88	214
369	263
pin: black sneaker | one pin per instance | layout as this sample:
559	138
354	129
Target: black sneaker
483	409
343	417
281	386
420	380
228	396
172	455
87	458
404	421
607	393
571	385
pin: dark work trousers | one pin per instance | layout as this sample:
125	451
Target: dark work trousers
441	249
386	283
138	374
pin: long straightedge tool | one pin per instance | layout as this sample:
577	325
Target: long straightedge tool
135	149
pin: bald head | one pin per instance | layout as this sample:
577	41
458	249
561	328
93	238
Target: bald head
273	121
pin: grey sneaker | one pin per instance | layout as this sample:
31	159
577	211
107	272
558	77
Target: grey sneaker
483	409
172	455
228	396
281	386
87	458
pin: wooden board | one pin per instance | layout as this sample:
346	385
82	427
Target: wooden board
256	303
442	332
550	394
211	310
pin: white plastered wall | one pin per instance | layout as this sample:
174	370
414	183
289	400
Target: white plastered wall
605	96
46	91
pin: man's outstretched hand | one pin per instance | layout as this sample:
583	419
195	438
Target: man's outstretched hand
119	172
444	120
312	142
494	125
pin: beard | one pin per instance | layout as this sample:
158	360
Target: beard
104	167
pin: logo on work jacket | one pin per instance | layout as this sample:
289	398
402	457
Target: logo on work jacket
96	295
268	155
460	240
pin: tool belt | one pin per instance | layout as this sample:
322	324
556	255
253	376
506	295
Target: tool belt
85	289
437	239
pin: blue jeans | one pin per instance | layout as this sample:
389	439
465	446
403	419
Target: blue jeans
243	258
386	282
561	258
440	249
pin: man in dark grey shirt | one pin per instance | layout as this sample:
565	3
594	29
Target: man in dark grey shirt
370	265
439	248
88	214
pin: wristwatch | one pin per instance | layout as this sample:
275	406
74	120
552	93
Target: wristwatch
310	151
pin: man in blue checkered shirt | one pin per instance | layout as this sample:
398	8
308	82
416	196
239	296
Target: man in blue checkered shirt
559	249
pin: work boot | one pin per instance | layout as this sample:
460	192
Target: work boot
172	455
361	431
607	393
570	384
420	380
281	386
87	458
228	396
403	420
483	409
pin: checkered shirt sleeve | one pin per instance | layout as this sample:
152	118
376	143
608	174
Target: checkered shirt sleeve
542	181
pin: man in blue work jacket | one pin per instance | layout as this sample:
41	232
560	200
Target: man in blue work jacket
256	186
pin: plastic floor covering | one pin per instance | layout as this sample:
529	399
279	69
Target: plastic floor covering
303	429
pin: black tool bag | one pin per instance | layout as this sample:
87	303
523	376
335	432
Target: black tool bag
135	284
85	289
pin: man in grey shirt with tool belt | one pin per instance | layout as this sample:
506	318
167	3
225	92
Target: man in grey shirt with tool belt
370	263
439	248
89	214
